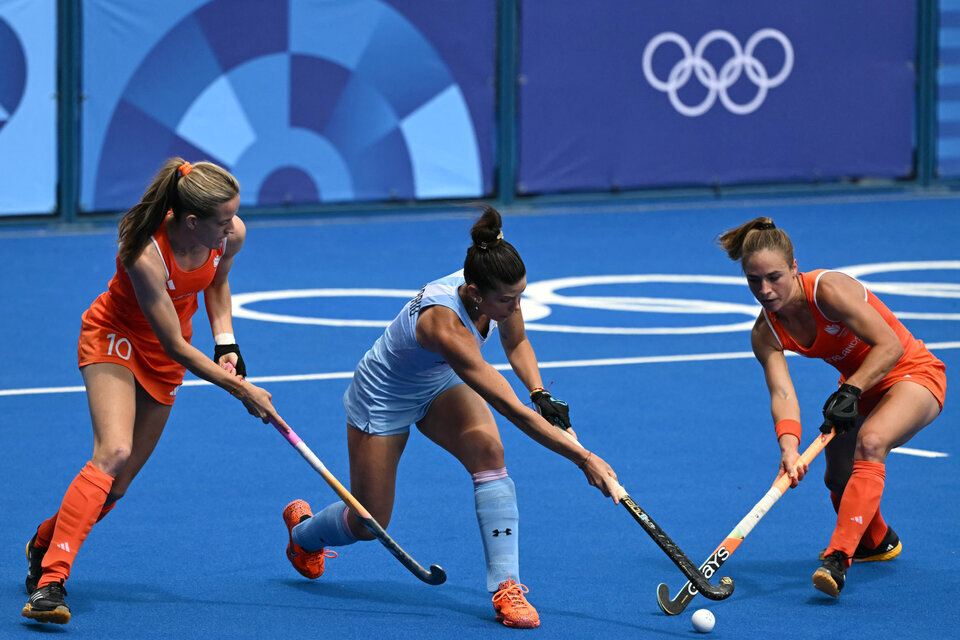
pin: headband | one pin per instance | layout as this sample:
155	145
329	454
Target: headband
763	226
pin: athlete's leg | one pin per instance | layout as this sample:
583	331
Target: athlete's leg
904	410
149	419
111	395
373	480
460	421
839	457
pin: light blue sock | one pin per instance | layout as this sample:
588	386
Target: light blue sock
325	529
498	518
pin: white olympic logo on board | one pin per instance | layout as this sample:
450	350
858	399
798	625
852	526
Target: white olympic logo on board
543	297
717	83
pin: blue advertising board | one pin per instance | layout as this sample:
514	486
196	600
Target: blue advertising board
305	101
620	95
28	107
948	91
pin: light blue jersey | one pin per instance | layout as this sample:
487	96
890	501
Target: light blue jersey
397	379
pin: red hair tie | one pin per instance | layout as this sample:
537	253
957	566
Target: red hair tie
184	169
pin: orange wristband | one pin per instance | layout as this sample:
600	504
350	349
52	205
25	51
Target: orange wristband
788	425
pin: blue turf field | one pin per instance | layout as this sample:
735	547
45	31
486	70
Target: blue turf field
639	323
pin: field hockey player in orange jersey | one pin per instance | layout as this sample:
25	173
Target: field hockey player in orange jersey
134	347
890	385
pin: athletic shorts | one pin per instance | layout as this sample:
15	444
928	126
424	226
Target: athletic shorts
933	376
373	411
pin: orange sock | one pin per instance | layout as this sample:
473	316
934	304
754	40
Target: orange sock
876	530
45	530
858	506
81	506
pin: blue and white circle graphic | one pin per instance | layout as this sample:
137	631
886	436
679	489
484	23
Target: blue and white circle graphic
302	102
13	75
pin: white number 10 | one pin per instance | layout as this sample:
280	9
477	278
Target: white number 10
117	345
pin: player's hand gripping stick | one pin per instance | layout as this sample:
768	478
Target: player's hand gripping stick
735	537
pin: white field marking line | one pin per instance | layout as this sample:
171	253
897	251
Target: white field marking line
597	362
919	452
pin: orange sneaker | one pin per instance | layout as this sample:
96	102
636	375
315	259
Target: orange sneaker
308	563
512	608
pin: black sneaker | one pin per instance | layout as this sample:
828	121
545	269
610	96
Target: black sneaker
831	575
34	564
46	604
888	549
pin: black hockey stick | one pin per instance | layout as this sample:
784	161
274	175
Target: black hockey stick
669	547
679	558
712	564
435	575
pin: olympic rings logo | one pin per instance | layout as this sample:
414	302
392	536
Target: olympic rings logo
542	298
716	83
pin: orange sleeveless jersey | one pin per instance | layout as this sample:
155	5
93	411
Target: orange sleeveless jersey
115	330
835	344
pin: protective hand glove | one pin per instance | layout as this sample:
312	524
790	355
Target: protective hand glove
840	410
554	411
221	350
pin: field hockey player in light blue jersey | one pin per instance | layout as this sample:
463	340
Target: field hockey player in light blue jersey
426	369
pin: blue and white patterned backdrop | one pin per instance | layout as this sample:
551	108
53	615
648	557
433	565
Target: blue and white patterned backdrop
948	91
304	101
28	107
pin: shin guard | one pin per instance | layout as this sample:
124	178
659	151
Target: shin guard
497	515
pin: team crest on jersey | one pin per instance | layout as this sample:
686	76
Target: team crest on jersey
832	329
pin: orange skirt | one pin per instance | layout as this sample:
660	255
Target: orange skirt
103	341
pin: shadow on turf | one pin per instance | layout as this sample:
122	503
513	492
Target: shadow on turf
460	601
792	579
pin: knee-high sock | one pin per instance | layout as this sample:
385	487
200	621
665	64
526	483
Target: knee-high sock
45	530
876	530
81	506
498	517
325	529
858	505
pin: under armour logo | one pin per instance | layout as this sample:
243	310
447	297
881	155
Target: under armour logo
497	532
832	329
857	519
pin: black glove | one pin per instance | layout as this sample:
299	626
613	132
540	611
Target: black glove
840	411
553	410
221	350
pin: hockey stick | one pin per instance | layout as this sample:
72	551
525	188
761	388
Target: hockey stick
712	564
669	547
679	558
435	575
